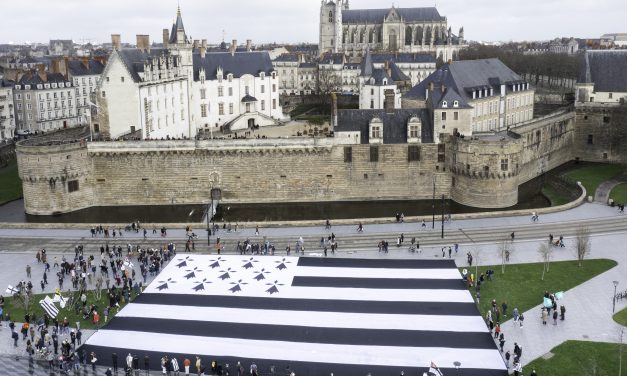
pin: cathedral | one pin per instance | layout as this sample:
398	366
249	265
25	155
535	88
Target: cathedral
409	30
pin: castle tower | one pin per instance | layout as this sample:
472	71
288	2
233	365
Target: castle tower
180	45
331	26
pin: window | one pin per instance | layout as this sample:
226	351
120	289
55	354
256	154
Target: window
413	153
606	119
263	89
72	186
203	93
221	109
263	105
371	104
504	164
456	104
274	104
230	78
220	91
273	87
27	97
413	131
330	16
444	104
374	154
610	95
590	139
231	108
246	90
122	79
443	116
348	154
103	94
230	92
375	132
107	79
455	115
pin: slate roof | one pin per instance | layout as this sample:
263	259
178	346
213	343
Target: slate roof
366	65
607	69
460	78
379	75
397	74
34	78
178	25
290	57
248	98
361	16
307	65
135	58
331	58
238	64
403	58
77	68
394	124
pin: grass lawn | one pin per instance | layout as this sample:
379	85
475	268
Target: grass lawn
619	193
621	317
16	309
10	183
592	176
575	358
522	287
554	196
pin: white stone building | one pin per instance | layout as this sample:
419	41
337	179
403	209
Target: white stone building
233	91
44	101
7	118
85	74
473	96
380	85
603	79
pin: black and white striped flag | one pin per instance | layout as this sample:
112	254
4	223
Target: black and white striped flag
314	315
48	305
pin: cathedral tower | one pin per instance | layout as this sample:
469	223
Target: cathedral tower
331	25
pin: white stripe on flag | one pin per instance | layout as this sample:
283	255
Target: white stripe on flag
313	271
49	307
297	351
317	319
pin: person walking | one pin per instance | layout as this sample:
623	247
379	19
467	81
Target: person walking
562	312
515	314
521	319
507	357
501	341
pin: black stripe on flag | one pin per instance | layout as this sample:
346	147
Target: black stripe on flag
376	263
313	305
300	368
307	334
50	308
379	283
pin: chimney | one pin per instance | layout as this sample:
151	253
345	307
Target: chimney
195	44
55	66
233	46
166	38
116	42
41	71
388	102
431	86
85	62
249	45
443	88
143	42
203	48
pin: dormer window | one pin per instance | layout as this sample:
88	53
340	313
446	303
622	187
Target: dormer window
262	75
375	131
27	87
444	104
456	104
39	86
47	86
385	81
372	81
230	77
273	75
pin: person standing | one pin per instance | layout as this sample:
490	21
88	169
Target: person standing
501	341
521	319
114	360
555	317
198	365
175	366
562	312
186	364
93	360
545	315
507	357
517	368
28	270
515	314
146	361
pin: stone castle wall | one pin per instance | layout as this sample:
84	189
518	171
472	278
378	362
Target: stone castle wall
601	133
282	170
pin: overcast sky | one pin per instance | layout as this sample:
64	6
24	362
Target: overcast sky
296	20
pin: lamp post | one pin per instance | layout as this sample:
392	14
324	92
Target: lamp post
614	297
457	364
442	235
433	206
208	228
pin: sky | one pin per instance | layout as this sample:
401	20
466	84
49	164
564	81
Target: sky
292	21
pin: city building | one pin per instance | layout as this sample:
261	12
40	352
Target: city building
85	74
44	102
614	40
474	96
411	30
7	118
381	84
603	78
233	91
61	47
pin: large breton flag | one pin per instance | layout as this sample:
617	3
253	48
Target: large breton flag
315	316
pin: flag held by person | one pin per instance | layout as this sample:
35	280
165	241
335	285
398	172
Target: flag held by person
48	305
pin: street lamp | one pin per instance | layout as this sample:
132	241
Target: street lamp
433	206
614	297
457	364
442	236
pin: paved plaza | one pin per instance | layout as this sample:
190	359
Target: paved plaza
589	315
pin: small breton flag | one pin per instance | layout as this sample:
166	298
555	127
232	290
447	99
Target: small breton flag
48	305
434	370
11	290
58	298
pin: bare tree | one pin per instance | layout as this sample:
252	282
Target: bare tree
503	251
476	258
582	243
545	251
